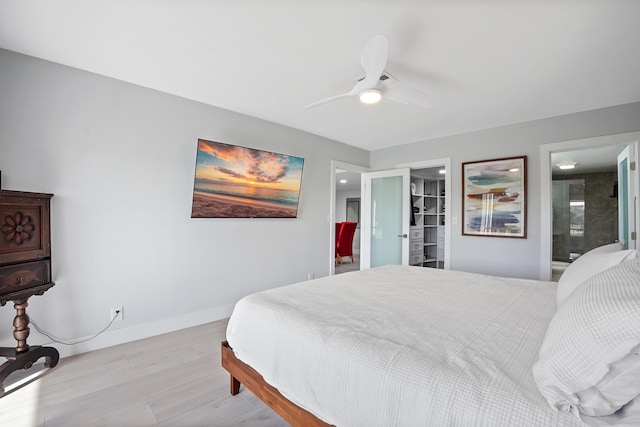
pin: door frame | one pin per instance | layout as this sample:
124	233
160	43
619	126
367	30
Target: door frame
337	164
434	163
546	208
631	191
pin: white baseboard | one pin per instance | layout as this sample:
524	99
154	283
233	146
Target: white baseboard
146	330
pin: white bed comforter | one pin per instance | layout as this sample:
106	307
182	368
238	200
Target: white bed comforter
403	346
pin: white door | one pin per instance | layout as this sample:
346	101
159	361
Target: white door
628	197
385	218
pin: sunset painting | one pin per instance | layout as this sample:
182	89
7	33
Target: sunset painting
239	182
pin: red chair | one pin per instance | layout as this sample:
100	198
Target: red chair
344	241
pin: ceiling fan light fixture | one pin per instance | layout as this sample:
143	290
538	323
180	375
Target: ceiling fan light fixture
370	96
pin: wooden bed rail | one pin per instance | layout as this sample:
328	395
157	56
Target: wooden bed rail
241	373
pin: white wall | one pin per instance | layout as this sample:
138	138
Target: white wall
120	160
504	256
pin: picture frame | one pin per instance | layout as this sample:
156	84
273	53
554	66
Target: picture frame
353	210
232	181
494	198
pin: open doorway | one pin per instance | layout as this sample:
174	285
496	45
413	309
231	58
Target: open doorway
404	223
584	203
428	223
579	202
345	207
347	221
431	219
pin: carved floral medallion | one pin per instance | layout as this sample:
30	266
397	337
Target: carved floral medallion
17	228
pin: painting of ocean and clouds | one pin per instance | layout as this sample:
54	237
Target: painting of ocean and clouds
240	182
494	197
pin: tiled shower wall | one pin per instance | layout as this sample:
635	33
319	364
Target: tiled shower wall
601	209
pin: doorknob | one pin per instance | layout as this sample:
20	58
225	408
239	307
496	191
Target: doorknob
404	236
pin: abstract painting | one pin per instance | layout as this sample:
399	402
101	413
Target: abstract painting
494	198
240	182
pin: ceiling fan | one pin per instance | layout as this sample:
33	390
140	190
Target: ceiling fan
373	86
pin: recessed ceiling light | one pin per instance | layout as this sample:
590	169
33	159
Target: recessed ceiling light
442	171
370	96
514	169
343	181
566	165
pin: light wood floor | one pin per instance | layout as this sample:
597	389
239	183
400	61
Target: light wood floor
173	379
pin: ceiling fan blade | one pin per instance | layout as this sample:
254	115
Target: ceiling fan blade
407	96
325	100
374	59
359	87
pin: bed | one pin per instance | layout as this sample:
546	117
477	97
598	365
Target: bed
410	346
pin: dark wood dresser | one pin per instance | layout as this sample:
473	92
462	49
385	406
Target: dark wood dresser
25	270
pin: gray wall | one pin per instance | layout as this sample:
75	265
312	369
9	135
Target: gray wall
120	160
504	256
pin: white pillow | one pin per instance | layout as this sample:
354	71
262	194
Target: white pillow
589	360
590	264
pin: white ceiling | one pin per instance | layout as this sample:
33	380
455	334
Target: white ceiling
482	63
351	178
587	160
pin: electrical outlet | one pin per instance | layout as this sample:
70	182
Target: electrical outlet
117	313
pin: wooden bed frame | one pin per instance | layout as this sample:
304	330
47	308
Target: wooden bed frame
241	373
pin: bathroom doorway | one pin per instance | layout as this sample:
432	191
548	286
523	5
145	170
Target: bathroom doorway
582	202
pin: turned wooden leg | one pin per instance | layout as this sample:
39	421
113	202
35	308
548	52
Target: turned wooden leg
21	325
